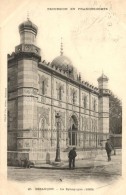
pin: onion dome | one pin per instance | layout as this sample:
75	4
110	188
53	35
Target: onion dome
103	78
28	25
62	62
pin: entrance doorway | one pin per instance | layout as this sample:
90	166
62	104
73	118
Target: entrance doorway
73	131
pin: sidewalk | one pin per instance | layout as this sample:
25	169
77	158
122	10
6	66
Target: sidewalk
98	161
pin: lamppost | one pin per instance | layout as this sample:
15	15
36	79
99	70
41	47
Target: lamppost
57	159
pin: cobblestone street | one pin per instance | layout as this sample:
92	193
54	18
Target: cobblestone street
102	172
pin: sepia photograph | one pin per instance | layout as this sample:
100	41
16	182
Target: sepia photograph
63	77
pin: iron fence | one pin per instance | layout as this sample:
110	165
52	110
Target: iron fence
47	138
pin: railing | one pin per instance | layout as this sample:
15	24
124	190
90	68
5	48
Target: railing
47	138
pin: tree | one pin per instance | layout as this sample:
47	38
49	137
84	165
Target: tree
115	115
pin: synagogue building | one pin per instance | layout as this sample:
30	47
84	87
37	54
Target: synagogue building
38	92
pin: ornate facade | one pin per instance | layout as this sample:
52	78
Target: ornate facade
38	90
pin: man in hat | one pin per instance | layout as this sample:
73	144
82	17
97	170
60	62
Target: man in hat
109	148
72	155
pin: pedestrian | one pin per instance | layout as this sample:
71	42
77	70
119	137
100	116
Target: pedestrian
109	148
72	155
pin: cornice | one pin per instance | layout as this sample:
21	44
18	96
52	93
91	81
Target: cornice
64	75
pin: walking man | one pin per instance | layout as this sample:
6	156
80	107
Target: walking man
72	155
108	148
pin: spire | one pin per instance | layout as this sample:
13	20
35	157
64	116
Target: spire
61	48
103	77
79	77
27	15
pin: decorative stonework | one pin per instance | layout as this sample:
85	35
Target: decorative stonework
42	99
27	48
60	90
34	143
93	124
27	91
35	91
43	84
26	143
35	133
73	95
62	114
67	92
58	85
60	104
85	123
85	100
69	119
43	113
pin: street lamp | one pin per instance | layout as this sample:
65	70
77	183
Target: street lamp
57	159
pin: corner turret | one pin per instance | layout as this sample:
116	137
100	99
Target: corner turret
103	106
28	32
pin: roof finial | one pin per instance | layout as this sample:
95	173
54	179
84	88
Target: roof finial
61	48
27	15
102	71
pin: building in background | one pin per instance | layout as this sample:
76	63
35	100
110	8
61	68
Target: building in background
37	91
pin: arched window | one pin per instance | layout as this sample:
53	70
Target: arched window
85	101
43	87
94	105
74	97
60	93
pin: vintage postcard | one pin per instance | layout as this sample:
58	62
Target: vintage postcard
62	90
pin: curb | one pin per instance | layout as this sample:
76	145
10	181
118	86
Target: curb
67	168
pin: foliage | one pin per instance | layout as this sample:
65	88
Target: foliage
115	115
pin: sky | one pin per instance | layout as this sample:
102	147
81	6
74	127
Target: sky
93	40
